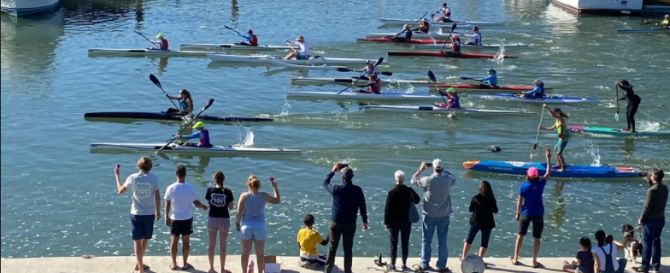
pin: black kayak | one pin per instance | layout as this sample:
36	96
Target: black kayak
167	117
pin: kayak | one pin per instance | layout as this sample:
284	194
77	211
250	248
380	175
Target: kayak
644	30
597	130
435	109
466	55
183	149
167	117
486	88
458	86
581	171
358	96
144	52
319	60
389	39
227	47
483	46
546	99
439	35
397	21
284	63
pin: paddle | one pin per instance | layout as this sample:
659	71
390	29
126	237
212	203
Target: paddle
431	75
158	83
451	31
209	103
238	33
470	78
537	136
378	62
145	37
344	69
616	115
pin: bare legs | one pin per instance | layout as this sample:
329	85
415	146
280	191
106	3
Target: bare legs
466	249
517	248
246	249
140	247
186	248
536	251
210	250
223	233
260	254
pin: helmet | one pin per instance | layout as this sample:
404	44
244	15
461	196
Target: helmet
451	90
475	28
199	125
159	35
300	38
492	71
250	31
539	82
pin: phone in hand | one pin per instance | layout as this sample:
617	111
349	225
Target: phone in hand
429	164
272	179
344	165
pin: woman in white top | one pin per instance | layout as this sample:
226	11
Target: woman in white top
302	52
604	254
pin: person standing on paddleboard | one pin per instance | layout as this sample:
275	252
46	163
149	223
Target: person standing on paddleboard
250	39
185	103
303	51
633	103
475	37
563	134
666	21
161	42
202	135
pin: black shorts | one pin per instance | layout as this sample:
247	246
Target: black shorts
538	225
181	227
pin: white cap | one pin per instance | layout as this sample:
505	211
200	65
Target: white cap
437	163
399	176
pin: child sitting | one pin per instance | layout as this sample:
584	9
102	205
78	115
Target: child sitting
584	263
307	240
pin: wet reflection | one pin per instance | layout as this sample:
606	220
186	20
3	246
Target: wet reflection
557	215
195	165
235	12
87	12
629	146
162	65
139	11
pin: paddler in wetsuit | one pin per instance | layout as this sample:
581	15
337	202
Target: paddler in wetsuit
404	36
491	80
250	39
633	103
455	46
563	134
185	103
162	43
202	135
423	27
475	37
666	21
537	92
374	84
453	101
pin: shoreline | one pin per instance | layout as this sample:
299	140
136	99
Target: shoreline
289	264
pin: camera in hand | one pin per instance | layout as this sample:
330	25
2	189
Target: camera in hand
344	165
429	164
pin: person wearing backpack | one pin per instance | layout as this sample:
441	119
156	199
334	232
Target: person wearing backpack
604	254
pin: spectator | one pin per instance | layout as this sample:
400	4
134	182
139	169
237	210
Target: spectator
482	207
220	201
584	258
396	217
605	253
652	221
307	239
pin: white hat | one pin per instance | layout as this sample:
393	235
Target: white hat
437	163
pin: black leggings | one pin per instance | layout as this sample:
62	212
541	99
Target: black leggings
630	116
402	229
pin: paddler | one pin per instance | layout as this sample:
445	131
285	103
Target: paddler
185	103
537	92
491	80
369	68
423	27
403	36
162	43
444	15
475	37
633	103
202	135
250	39
453	101
455	46
374	84
303	51
563	134
666	21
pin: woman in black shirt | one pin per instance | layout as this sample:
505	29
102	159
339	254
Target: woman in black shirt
482	206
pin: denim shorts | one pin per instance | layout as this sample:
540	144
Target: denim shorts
254	231
142	226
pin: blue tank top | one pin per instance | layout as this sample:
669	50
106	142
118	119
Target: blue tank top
203	141
183	105
254	209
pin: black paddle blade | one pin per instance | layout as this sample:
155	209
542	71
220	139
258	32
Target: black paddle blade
431	76
379	61
155	80
386	73
209	103
442	93
343	69
227	27
453	27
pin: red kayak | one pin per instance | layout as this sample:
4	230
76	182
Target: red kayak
389	39
481	87
446	54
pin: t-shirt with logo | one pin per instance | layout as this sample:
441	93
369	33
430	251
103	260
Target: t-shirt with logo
142	187
181	196
219	199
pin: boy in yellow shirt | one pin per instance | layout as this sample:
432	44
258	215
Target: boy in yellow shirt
307	239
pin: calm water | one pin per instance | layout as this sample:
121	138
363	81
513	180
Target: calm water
58	199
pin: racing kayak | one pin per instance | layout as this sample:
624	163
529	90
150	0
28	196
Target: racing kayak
183	149
597	130
483	46
389	39
358	96
436	109
267	59
547	99
581	171
227	47
397	21
144	52
439	35
467	55
644	30
167	117
458	86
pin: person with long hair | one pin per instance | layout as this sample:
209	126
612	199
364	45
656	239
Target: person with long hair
633	103
251	219
185	103
220	201
563	134
482	207
396	217
604	254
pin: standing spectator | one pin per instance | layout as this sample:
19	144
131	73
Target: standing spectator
396	217
604	254
179	198
251	219
530	209
436	211
220	201
348	199
144	207
482	207
652	221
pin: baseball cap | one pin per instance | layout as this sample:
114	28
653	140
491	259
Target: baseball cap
437	163
532	172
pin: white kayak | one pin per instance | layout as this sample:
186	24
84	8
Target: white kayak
360	96
262	59
490	46
397	21
557	99
438	35
228	47
358	82
144	52
176	148
436	109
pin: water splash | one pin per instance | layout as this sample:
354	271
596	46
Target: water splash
500	55
594	151
248	138
649	126
285	108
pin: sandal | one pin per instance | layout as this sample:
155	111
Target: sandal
514	262
538	265
187	267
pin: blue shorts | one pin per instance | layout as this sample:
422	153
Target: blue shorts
301	57
560	146
142	226
253	231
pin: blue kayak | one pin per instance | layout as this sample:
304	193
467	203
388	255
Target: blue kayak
581	171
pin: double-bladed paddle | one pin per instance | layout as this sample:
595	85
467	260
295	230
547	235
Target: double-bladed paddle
238	33
209	103
344	69
451	31
470	78
147	38
158	83
433	79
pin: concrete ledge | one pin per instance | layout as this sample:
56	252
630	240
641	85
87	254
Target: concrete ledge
160	264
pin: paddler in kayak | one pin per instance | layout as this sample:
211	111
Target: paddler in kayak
453	101
202	135
250	39
185	103
444	15
455	46
403	36
369	68
666	21
562	131
423	27
303	51
633	102
475	37
374	84
162	43
537	92
491	80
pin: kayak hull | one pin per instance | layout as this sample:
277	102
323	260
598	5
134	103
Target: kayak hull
597	130
435	109
389	39
647	30
357	96
267	59
398	21
464	55
182	149
576	171
162	116
142	52
232	47
547	99
458	86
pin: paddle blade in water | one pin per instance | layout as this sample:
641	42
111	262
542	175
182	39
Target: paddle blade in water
343	69
385	73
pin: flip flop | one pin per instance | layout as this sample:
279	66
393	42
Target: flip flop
538	265
174	267
513	261
187	267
